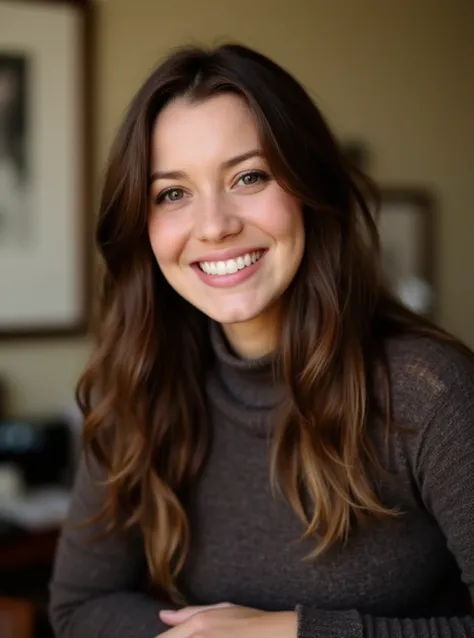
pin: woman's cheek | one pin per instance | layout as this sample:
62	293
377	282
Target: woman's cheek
168	237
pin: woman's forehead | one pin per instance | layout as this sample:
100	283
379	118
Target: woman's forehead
218	127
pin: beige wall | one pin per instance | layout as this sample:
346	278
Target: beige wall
396	73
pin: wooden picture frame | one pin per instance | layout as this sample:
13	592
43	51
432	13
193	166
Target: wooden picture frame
45	167
406	225
357	154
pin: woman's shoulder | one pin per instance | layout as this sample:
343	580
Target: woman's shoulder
428	379
428	365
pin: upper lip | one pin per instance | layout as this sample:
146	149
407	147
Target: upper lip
224	255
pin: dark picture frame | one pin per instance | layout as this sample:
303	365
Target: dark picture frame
407	225
46	167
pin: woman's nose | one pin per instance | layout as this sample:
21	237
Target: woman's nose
216	219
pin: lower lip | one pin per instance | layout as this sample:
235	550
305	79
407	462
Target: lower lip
227	281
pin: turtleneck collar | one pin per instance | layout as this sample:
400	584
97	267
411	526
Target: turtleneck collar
245	390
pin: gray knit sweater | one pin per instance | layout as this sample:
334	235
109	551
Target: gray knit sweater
407	578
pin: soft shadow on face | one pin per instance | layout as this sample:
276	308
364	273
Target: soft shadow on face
225	234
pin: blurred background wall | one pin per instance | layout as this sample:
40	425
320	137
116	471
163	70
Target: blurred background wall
397	75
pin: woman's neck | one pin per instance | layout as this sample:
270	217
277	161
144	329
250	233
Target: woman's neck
254	338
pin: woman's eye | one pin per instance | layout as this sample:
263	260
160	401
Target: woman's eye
254	177
171	195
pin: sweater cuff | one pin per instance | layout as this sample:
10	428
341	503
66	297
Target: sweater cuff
322	623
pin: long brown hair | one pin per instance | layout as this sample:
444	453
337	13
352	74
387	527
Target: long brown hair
142	395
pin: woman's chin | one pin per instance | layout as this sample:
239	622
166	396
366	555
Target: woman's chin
229	316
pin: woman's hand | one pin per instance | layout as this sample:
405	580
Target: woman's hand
228	621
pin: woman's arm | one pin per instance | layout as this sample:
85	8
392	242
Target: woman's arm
442	460
313	623
95	588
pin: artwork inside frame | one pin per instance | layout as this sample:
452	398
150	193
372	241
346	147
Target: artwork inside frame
44	167
13	148
406	225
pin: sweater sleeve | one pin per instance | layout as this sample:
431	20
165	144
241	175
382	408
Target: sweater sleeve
442	458
95	591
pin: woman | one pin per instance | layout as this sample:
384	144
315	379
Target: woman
277	448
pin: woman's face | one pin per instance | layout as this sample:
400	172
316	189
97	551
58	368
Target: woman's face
225	234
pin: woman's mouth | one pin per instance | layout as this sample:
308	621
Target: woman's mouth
230	266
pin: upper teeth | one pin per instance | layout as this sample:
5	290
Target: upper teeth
231	265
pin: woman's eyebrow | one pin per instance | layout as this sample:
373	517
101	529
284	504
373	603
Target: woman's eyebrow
233	161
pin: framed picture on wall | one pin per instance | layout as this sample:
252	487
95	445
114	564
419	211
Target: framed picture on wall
407	227
45	135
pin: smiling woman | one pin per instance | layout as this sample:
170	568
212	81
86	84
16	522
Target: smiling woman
274	446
